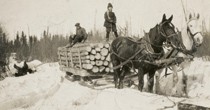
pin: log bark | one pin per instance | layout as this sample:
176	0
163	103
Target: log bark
75	58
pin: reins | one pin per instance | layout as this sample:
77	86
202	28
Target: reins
139	59
128	60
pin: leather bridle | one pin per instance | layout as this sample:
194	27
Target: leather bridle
192	35
163	33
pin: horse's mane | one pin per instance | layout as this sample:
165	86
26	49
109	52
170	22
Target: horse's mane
155	38
151	32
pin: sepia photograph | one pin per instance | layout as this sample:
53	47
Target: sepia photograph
104	54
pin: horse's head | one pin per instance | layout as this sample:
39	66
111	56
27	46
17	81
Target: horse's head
167	31
194	29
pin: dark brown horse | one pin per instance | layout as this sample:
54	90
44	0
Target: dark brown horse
137	52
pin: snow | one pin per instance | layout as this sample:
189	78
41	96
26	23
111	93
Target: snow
32	64
20	91
48	89
129	99
198	83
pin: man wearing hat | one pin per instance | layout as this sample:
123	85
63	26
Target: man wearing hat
80	36
110	22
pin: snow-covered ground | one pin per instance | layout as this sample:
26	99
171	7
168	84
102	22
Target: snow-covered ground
47	89
32	64
197	78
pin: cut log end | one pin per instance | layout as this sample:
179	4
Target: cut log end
104	51
95	69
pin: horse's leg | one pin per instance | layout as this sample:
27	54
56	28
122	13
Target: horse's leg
116	77
184	81
141	79
117	72
157	81
175	76
125	69
151	81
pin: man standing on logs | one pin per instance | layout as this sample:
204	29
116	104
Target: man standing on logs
110	22
81	36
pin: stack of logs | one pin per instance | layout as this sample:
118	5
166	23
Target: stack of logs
91	57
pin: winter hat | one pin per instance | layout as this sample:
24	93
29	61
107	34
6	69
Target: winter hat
77	24
109	5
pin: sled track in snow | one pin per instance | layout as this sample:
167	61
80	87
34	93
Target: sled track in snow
30	98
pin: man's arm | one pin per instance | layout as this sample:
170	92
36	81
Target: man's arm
107	18
115	18
81	33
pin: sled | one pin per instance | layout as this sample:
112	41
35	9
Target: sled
89	63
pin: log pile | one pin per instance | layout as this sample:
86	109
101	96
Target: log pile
194	104
92	57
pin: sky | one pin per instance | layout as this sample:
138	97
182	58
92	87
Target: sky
34	16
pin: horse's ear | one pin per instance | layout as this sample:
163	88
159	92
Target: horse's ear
170	19
198	16
190	16
164	17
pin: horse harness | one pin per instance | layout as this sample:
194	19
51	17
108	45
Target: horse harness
148	48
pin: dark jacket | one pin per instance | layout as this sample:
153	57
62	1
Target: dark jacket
81	32
110	19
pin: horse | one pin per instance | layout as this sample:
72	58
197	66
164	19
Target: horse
191	38
125	53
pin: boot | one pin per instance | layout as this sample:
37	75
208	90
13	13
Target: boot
116	34
69	45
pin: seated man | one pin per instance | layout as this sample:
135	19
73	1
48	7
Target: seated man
81	36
